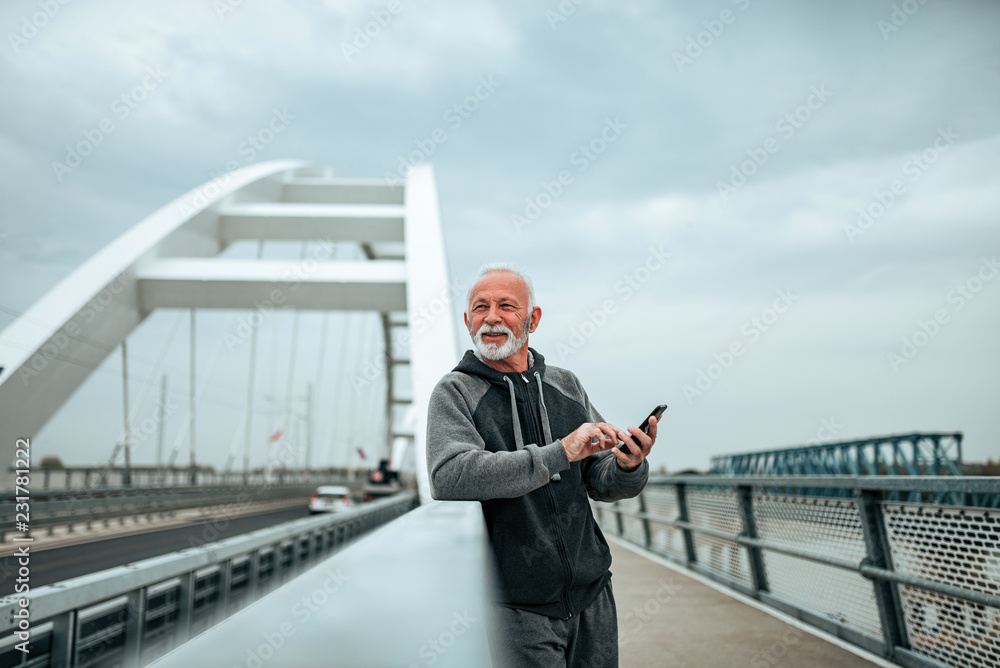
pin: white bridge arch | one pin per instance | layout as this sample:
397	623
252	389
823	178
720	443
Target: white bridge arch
170	259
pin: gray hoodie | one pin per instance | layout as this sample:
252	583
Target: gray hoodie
490	439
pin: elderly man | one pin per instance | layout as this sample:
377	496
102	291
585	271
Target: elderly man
524	439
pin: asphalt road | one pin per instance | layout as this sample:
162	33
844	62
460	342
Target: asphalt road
61	563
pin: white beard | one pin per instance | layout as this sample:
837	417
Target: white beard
493	351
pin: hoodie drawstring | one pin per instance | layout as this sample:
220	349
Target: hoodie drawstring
546	432
518	439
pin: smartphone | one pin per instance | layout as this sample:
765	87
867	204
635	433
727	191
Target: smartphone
655	413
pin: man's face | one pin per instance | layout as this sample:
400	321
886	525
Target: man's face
498	318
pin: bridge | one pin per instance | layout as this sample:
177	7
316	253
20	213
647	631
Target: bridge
747	565
901	454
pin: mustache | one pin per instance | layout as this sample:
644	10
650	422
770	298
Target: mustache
495	329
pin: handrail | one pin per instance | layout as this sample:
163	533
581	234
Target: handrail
983	491
921	561
930	483
107	476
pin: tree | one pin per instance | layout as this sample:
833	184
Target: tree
52	462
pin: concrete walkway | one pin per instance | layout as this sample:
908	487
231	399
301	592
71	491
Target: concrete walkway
668	619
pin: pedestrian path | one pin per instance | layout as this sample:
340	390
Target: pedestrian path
669	618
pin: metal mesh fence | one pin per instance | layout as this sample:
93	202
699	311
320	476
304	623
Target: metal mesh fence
955	546
719	510
822	526
661	502
841	595
813	549
818	525
632	526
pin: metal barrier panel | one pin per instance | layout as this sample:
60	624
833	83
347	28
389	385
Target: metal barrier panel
957	546
130	615
631	527
830	527
718	510
159	633
661	502
416	592
918	583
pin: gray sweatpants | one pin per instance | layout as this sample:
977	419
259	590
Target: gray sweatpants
588	640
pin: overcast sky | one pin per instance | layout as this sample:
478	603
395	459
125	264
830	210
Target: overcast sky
713	157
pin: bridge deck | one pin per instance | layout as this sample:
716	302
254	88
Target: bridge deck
666	618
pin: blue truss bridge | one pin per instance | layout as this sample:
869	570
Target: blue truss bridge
897	454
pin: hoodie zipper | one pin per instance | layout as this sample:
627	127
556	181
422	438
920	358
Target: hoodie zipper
553	508
529	407
562	549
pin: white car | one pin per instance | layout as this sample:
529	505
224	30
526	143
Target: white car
330	499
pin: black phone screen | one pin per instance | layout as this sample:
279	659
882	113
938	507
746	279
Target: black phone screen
657	413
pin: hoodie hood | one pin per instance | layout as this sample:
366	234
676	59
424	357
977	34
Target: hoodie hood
472	365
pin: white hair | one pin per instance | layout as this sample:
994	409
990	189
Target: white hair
506	267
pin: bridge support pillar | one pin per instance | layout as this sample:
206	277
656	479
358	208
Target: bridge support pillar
135	612
647	542
754	554
683	516
63	637
185	608
890	609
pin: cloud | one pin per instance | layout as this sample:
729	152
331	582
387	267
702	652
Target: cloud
657	185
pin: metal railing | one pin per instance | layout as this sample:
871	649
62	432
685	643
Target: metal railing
85	507
108	477
916	581
130	615
419	592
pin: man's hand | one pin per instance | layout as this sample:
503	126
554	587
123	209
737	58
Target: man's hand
631	462
590	437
